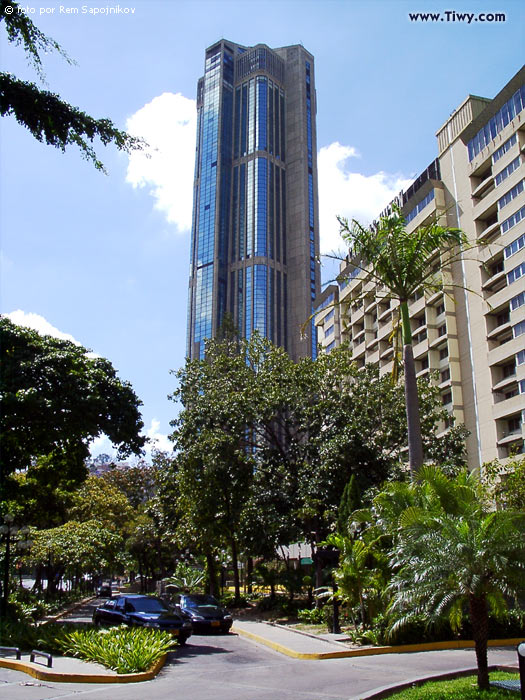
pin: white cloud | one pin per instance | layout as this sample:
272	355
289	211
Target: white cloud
41	325
350	194
168	124
158	441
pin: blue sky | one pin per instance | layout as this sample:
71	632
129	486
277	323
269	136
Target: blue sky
105	259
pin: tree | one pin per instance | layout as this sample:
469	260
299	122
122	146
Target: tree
75	549
96	499
265	446
55	401
45	114
451	551
403	263
215	465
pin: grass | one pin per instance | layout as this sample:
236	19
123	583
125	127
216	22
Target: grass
459	689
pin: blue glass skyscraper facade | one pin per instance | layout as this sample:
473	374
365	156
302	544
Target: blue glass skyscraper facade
255	239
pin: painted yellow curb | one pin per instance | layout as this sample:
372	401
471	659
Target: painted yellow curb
45	675
372	651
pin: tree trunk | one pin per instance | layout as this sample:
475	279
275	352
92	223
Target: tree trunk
249	574
212	575
235	562
480	631
336	625
415	444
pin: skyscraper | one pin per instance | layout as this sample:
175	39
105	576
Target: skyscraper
255	231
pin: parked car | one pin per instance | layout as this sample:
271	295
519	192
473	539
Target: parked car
104	591
205	613
143	611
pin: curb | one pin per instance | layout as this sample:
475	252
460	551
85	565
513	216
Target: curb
370	651
44	675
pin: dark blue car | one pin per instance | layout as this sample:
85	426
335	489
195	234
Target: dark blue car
143	611
205	613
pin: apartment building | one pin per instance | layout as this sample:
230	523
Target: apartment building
472	332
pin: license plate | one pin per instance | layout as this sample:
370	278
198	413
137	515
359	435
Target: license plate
215	623
175	633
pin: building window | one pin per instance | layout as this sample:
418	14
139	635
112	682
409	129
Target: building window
504	148
445	375
510	195
520	357
509	370
440	309
442	330
419	207
446	398
500	120
503	174
517	244
443	353
513	220
516	273
518	329
513	425
517	301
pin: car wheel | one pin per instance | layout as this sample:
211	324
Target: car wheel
182	641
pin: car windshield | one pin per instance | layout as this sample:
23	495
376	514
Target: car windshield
198	601
150	605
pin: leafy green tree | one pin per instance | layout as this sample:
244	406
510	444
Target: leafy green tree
506	482
350	501
354	574
214	463
403	263
265	446
75	549
453	551
138	483
96	499
45	114
55	401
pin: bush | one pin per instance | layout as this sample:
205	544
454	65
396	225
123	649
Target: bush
315	616
122	649
227	600
27	637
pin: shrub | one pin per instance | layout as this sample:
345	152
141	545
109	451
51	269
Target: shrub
122	649
28	637
314	616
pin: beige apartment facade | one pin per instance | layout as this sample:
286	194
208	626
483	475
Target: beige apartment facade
470	336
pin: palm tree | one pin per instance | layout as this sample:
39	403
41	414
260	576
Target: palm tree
403	263
452	552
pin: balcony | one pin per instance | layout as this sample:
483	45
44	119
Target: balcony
495	283
500	330
484	187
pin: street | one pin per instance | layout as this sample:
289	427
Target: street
230	667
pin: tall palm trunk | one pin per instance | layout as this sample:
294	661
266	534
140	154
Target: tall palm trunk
480	631
415	444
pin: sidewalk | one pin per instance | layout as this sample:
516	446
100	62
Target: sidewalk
300	645
66	669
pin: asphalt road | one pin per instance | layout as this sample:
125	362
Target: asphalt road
230	667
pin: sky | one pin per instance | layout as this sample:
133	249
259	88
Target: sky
103	260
